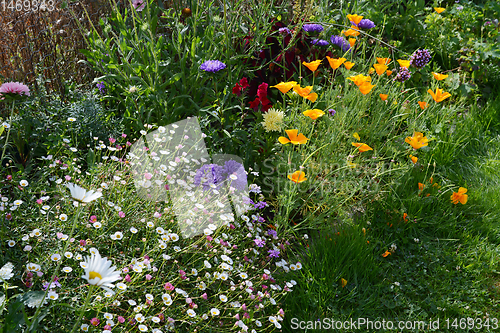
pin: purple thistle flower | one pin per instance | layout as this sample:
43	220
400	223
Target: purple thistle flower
14	88
420	58
366	24
403	75
312	27
319	42
212	66
274	253
340	42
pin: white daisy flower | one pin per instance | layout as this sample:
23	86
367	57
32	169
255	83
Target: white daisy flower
191	313
63	217
53	295
24	183
55	257
99	272
214	312
81	195
67	269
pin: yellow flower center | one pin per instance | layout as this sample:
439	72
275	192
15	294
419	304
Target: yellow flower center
93	275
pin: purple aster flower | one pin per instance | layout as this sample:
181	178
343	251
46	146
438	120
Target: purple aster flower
340	42
403	75
259	242
274	253
272	233
312	27
420	58
233	168
284	31
319	42
208	175
260	205
366	24
332	112
14	88
212	66
101	86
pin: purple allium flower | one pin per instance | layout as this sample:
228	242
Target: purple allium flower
403	75
139	5
101	86
366	24
212	66
259	242
332	112
340	42
208	175
284	31
14	88
420	58
274	253
319	42
312	27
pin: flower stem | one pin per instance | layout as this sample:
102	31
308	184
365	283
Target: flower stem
82	309
8	131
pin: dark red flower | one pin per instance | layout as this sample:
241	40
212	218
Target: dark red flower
240	86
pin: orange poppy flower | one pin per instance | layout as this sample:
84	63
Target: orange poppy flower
414	159
343	282
294	138
421	186
352	41
405	217
404	63
423	105
439	77
459	196
285	87
351	32
312	97
380	69
313	65
313	114
383	96
371	70
356	136
417	141
388	72
439	10
297	177
348	64
335	63
366	87
386	253
439	95
362	147
302	91
354	18
359	79
384	61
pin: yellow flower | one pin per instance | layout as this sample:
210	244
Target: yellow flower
366	87
359	79
297	177
273	120
356	136
371	70
348	64
384	61
414	159
305	92
352	41
313	65
335	63
439	10
423	105
362	147
294	138
351	32
285	87
439	96
351	165
459	196
383	96
404	63
439	77
380	69
417	141
343	282
388	72
313	114
354	18
312	97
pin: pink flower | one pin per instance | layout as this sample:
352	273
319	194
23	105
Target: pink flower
124	135
129	143
121	214
93	219
148	277
107	327
148	176
139	5
39	201
168	286
121	319
127	278
112	140
94	321
68	178
9	177
205	297
14	88
83	242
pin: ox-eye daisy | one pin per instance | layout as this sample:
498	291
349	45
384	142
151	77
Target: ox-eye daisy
99	272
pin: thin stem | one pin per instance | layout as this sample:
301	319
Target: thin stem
8	131
82	309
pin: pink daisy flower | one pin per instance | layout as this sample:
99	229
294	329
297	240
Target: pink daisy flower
14	88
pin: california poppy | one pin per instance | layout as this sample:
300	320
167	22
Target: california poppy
305	92
297	177
421	186
414	159
459	196
366	87
348	64
384	61
313	65
285	87
352	41
335	63
383	96
313	114
351	32
404	63
380	69
296	139
356	136
386	253
439	95
439	77
388	72
417	141
359	79
439	10
354	18
423	105
362	147
343	282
